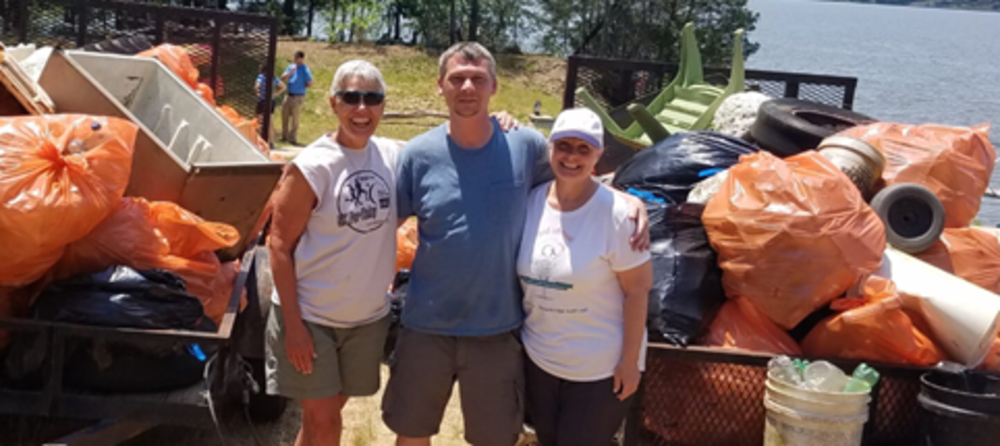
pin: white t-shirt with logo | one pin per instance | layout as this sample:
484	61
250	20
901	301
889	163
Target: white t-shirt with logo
573	302
346	257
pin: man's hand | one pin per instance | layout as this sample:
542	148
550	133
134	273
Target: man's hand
299	347
506	120
626	379
637	213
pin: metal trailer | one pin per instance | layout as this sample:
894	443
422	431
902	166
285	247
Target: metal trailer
187	153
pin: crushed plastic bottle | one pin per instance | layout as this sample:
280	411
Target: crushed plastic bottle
824	377
786	370
862	380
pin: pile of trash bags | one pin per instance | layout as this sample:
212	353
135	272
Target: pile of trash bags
801	241
65	219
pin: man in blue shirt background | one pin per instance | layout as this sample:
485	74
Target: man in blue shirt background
299	79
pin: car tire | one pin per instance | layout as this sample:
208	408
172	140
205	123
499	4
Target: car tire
913	217
788	126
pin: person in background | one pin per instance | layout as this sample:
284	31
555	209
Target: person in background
467	182
262	108
333	252
585	294
299	80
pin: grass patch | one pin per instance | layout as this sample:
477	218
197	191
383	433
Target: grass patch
411	75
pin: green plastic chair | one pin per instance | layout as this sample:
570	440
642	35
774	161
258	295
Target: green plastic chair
689	103
634	135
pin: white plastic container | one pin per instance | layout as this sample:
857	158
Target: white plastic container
962	316
185	151
800	417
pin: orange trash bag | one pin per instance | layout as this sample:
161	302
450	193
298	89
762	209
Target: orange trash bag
176	60
873	327
60	175
146	235
406	244
740	325
206	93
791	234
955	163
969	253
991	363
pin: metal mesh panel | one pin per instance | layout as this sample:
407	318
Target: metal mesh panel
693	401
240	57
774	89
52	24
243	42
824	94
702	403
616	82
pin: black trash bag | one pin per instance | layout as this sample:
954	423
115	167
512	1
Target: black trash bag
687	281
400	286
116	297
670	168
122	297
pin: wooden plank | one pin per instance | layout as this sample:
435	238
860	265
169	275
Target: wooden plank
10	105
106	432
32	97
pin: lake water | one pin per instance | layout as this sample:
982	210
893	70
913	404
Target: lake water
913	65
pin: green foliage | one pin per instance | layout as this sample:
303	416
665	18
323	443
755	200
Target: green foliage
642	29
354	20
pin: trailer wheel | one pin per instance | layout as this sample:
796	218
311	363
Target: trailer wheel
263	408
913	216
788	126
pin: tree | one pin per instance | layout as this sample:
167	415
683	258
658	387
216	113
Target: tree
643	29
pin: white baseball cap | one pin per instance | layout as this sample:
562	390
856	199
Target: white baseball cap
580	123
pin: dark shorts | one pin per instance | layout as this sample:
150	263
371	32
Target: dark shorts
569	413
262	107
489	371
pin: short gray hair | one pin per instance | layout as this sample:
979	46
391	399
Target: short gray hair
470	51
361	69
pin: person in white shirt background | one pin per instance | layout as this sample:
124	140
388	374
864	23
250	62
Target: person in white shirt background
585	295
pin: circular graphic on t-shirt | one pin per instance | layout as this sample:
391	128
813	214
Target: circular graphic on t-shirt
364	202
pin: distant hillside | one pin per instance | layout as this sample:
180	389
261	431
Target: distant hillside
978	5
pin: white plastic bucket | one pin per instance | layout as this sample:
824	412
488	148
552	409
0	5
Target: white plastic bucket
800	417
963	317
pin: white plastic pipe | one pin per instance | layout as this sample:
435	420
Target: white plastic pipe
962	316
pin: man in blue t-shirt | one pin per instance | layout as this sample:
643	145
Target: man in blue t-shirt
260	88
299	79
468	183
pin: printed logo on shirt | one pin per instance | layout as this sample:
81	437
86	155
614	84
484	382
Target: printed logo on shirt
364	202
543	264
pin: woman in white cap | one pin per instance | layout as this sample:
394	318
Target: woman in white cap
585	294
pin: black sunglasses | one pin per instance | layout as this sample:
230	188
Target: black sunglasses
371	98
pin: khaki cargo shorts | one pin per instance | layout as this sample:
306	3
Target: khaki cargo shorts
347	360
490	375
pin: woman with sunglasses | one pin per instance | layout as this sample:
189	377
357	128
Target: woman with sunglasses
333	253
585	293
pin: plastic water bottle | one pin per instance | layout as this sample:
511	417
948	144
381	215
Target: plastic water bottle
784	369
824	377
862	380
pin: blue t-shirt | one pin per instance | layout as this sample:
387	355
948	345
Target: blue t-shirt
262	81
471	206
297	81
